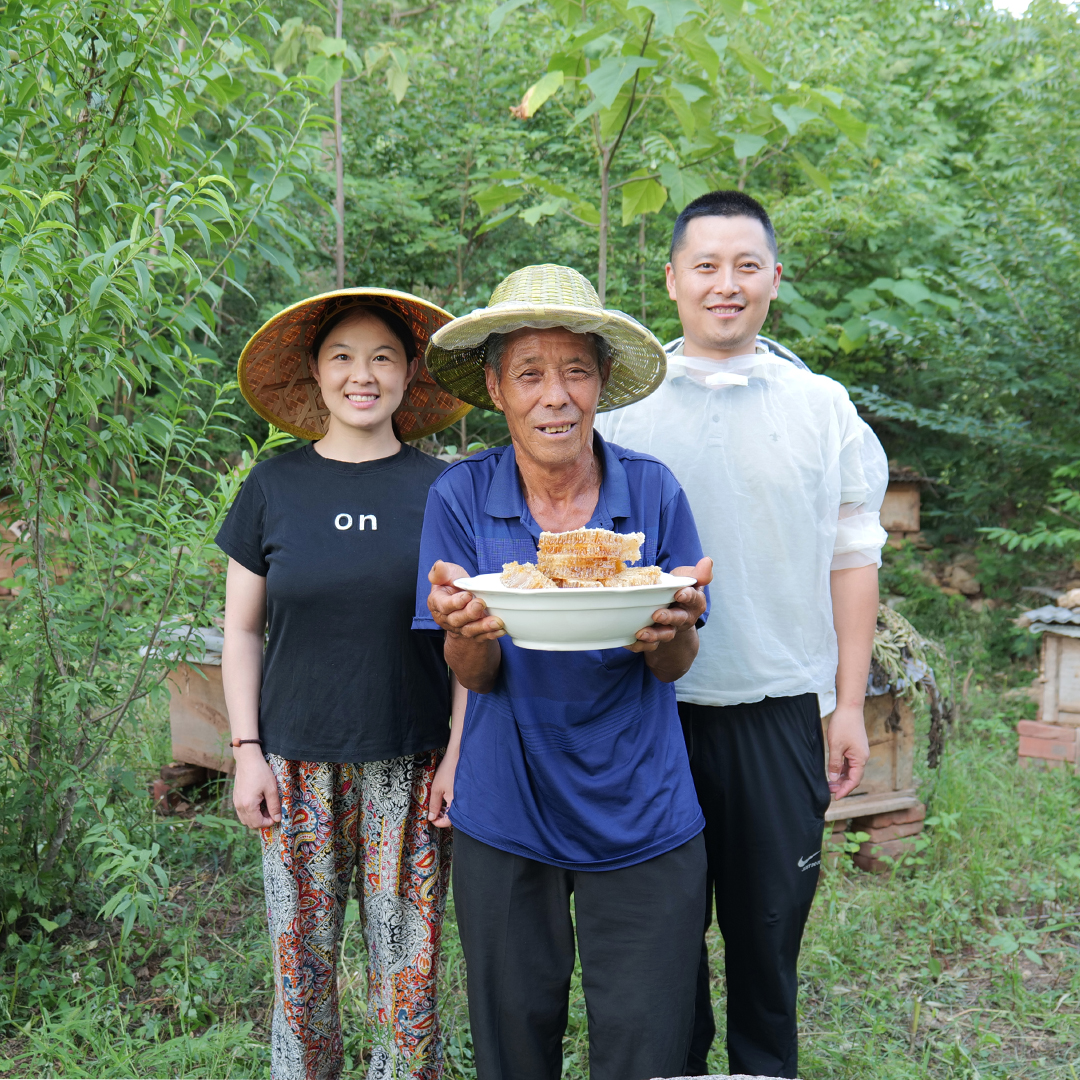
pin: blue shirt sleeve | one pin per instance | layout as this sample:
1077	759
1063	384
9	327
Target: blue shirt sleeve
446	535
678	543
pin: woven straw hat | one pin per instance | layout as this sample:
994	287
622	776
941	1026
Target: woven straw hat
547	296
275	374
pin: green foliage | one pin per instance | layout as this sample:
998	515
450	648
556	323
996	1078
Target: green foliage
149	155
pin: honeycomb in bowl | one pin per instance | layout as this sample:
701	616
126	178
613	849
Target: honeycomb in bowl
583	559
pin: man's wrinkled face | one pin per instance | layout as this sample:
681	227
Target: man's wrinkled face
548	388
723	277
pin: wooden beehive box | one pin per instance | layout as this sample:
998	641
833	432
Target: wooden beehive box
1053	740
901	509
888	782
198	718
1059	674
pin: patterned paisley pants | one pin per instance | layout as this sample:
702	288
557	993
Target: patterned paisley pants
370	820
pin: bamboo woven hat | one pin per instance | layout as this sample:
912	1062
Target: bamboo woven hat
275	373
547	296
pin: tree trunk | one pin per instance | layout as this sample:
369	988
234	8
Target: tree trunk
605	193
641	262
339	166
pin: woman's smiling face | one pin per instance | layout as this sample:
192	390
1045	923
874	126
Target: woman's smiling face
363	371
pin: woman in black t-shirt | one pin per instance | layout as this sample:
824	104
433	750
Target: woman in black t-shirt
339	721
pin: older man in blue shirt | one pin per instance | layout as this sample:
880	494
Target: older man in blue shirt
569	773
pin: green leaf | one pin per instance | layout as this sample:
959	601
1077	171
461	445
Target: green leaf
912	292
731	8
849	125
696	46
544	209
397	81
496	221
669	14
101	282
683	185
683	113
613	74
498	16
794	117
814	174
644	196
540	91
568	12
496	195
587	212
746	146
326	70
332	46
753	65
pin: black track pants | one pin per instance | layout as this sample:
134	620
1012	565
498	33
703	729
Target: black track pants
760	776
639	936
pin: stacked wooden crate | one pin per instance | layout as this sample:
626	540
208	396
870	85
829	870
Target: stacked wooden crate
884	806
1053	739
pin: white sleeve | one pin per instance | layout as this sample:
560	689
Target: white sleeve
864	476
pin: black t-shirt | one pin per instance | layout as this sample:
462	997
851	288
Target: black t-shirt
344	676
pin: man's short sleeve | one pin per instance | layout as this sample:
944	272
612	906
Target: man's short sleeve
242	534
678	543
864	477
447	536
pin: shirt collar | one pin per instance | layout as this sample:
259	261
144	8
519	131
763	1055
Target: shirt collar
505	498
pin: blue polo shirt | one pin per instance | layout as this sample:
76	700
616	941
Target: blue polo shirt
575	759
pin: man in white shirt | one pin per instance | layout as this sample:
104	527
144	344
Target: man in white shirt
786	482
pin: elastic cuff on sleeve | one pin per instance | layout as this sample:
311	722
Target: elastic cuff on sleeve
851	560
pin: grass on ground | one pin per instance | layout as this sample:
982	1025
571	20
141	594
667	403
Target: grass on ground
966	965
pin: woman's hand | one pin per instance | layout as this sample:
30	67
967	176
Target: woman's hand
255	790
442	791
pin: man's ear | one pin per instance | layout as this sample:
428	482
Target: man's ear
669	273
492	384
776	281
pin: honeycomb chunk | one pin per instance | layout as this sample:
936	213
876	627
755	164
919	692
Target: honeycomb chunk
582	567
525	576
634	575
593	544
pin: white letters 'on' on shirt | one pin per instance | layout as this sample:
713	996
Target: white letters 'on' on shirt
786	483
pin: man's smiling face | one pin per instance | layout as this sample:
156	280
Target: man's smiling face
548	387
723	276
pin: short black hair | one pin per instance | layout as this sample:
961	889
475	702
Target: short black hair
722	204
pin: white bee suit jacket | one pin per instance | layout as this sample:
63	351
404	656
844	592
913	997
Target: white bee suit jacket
786	483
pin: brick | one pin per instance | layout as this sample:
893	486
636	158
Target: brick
892	817
1047	748
901	846
841	825
872	866
894	832
1033	729
1039	764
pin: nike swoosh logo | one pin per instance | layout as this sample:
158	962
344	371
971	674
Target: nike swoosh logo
803	862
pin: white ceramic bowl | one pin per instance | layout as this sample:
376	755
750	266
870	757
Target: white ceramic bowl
572	620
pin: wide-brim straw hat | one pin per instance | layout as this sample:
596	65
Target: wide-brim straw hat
275	376
543	297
